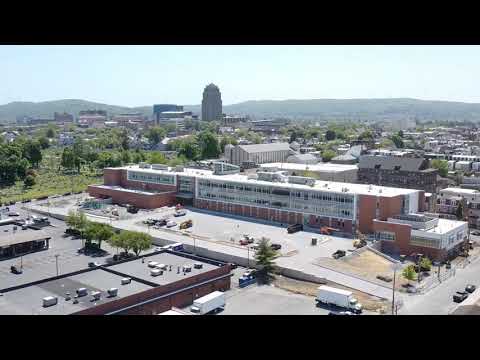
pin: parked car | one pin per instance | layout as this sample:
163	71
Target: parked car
15	269
12	213
171	223
180	213
476	233
338	254
249	272
244	242
470	288
276	246
460	296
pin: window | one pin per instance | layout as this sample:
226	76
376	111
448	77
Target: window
425	242
385	236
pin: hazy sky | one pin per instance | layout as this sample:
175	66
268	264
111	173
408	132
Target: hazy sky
144	75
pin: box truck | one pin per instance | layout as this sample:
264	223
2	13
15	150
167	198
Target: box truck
338	297
212	302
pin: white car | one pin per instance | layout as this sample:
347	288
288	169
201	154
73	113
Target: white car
171	224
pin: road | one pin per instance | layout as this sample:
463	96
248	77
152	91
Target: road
438	301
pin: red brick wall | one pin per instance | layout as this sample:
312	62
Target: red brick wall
421	201
367	205
181	299
389	206
112	176
143	201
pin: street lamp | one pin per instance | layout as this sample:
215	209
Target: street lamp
395	267
248	257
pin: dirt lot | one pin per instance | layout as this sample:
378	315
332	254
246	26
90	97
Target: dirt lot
370	303
366	264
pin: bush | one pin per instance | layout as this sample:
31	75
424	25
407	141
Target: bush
29	181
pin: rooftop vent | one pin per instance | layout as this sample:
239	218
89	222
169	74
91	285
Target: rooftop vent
126	281
162	266
112	292
81	292
50	301
156	272
198	265
96	295
152	264
187	268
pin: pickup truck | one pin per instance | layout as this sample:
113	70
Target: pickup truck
338	254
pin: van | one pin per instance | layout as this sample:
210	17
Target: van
294	228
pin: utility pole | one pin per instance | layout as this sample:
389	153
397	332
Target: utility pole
56	262
395	266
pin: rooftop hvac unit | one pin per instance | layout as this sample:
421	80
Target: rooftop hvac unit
112	292
198	265
187	268
96	295
152	264
81	292
50	301
159	167
156	272
75	300
162	266
126	281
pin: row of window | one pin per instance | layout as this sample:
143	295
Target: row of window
425	242
385	235
151	178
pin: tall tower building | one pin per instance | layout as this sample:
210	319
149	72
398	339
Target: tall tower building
211	103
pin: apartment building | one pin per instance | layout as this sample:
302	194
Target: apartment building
449	199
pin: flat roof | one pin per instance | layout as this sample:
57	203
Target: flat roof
445	225
141	270
320	167
329	186
20	236
461	191
116	187
29	300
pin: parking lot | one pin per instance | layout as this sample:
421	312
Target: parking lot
42	264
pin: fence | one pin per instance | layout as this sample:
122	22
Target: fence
435	280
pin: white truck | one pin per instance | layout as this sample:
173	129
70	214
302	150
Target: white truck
339	297
212	302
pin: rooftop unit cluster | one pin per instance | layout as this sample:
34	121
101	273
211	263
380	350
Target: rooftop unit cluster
82	292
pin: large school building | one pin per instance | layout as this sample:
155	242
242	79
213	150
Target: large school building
268	195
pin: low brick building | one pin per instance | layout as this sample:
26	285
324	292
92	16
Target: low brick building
403	172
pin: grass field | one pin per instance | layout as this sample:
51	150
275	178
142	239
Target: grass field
50	181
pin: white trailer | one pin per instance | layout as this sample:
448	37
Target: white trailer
212	302
343	298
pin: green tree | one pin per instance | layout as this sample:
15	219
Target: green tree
68	158
441	166
44	143
366	135
208	143
328	155
400	134
265	259
29	181
98	232
126	157
189	149
122	241
330	135
50	133
77	221
139	242
425	264
409	273
397	140
157	158
155	134
124	140
33	152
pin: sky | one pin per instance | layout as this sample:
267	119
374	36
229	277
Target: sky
145	75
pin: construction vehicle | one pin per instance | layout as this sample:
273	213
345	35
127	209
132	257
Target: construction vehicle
326	230
186	224
359	243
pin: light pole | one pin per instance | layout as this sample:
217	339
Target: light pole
194	246
395	266
56	262
248	257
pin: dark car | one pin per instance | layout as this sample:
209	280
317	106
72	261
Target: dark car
294	228
12	202
476	233
15	269
338	254
470	288
161	222
276	246
460	296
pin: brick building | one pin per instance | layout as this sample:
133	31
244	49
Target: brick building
403	172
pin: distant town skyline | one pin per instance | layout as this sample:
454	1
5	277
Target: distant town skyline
145	75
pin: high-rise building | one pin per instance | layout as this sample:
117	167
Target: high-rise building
159	108
211	103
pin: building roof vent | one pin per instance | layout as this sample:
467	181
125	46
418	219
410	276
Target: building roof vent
126	281
81	292
112	292
96	295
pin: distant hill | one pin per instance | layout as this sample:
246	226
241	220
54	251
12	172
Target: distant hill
322	109
10	111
